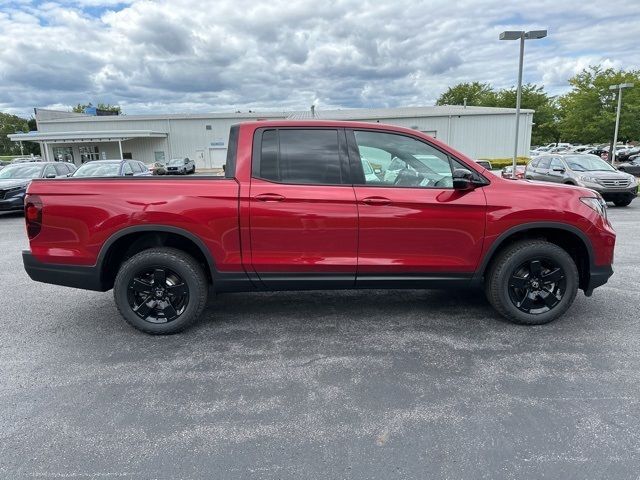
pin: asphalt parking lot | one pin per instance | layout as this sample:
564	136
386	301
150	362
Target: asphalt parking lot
370	384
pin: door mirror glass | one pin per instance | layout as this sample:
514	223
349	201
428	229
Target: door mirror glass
50	175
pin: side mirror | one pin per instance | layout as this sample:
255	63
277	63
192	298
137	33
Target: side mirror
560	170
128	174
462	179
50	175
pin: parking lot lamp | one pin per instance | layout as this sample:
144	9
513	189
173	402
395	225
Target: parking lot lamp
522	36
619	87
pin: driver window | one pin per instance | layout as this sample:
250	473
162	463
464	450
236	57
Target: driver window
556	164
395	160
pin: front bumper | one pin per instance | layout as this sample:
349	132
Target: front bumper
12	204
76	276
614	194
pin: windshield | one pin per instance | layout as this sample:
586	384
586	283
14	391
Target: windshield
98	170
176	161
587	163
21	171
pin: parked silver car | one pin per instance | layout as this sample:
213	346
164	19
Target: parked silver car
585	170
180	166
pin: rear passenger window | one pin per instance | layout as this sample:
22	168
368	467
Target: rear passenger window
61	169
544	162
534	163
300	157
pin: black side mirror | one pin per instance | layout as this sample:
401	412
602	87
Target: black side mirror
462	179
50	175
560	170
128	174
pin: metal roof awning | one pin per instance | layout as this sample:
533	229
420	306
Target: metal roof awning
84	136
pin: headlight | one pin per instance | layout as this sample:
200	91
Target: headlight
587	178
597	204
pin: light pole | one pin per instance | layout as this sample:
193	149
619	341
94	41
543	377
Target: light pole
612	152
522	36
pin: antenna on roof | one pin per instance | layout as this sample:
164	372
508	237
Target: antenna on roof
313	111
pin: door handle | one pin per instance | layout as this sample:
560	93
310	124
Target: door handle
376	201
269	197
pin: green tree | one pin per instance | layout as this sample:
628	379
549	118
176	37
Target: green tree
588	111
79	108
546	116
10	124
475	93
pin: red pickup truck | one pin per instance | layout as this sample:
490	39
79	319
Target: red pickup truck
319	205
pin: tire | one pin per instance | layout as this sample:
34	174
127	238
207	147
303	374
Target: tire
623	203
514	276
148	303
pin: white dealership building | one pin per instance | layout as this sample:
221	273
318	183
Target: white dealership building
480	132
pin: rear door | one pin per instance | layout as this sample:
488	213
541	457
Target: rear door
413	224
556	170
303	215
542	169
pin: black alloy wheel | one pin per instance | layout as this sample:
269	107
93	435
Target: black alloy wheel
158	295
537	286
161	290
532	282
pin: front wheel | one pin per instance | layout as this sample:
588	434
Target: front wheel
532	282
161	290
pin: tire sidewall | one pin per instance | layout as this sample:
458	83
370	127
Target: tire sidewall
551	252
149	260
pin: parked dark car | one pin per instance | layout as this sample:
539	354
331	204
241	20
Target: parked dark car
113	168
587	171
632	166
627	154
15	178
181	166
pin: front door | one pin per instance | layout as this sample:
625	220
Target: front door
303	215
412	221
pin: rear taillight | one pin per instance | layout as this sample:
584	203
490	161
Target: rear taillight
33	215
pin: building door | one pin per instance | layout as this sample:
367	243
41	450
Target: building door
200	160
217	157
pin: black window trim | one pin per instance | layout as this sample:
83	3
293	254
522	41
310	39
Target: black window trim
358	173
342	156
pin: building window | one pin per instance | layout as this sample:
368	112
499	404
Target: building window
89	153
63	154
127	156
208	127
159	156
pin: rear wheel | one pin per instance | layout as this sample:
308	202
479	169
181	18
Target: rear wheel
623	203
161	290
532	282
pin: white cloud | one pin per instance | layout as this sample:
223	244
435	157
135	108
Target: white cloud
188	55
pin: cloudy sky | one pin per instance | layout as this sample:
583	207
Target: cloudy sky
227	55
